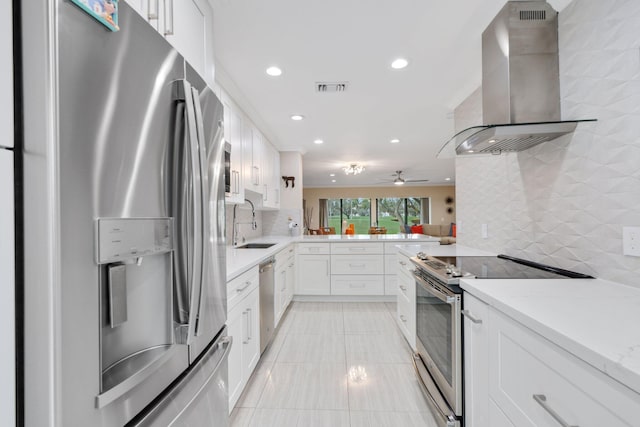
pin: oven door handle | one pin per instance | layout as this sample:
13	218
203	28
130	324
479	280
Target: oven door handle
449	299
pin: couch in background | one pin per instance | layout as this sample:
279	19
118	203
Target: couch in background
442	231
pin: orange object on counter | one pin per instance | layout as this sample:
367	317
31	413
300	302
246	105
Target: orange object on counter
350	229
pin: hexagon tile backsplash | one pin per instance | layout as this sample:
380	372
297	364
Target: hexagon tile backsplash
565	202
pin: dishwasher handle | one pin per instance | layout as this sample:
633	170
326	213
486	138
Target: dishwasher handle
267	265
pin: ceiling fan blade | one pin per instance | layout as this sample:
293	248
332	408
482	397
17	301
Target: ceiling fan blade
416	180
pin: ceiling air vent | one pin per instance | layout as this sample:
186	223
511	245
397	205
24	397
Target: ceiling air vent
330	87
533	15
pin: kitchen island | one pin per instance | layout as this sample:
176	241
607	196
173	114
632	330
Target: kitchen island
241	260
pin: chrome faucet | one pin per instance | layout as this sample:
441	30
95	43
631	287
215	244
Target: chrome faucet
254	223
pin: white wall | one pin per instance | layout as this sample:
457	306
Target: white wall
565	202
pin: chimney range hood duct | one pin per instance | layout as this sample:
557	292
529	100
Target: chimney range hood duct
520	84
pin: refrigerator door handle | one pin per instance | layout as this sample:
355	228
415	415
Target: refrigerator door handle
204	208
191	265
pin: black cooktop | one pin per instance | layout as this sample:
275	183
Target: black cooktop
507	267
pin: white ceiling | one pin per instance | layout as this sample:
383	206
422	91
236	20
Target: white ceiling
355	41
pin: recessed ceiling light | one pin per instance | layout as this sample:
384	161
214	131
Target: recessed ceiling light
447	179
274	71
470	151
318	141
332	174
394	141
297	117
399	63
333	180
491	141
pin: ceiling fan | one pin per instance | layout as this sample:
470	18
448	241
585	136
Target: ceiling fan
399	180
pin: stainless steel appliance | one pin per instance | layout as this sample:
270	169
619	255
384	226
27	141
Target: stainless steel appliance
227	170
126	285
439	310
267	295
520	84
9	400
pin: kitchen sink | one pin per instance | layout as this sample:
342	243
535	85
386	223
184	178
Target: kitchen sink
256	246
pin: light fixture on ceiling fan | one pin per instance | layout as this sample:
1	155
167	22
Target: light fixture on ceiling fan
353	169
400	180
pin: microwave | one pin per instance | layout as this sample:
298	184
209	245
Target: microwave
227	169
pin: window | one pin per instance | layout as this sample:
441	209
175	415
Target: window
353	211
394	213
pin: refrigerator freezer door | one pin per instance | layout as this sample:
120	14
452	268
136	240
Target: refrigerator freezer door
7	290
200	398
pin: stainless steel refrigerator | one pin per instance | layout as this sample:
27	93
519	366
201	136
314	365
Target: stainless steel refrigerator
125	281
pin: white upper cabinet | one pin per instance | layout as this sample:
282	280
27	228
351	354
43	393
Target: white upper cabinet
187	25
233	124
270	175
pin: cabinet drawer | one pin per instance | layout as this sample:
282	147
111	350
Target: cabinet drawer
357	248
282	256
390	262
404	263
313	248
406	319
406	287
241	286
357	285
390	284
357	264
522	365
391	248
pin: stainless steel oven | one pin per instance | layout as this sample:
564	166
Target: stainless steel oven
438	361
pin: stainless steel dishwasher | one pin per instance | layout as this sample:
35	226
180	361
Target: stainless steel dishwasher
266	303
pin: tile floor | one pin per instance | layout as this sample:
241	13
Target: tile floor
338	365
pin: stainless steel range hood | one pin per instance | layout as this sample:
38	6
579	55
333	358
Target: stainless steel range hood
520	84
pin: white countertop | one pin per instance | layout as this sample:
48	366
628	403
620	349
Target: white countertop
441	250
596	320
333	238
241	260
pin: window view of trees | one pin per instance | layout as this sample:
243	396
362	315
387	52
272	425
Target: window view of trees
354	211
394	213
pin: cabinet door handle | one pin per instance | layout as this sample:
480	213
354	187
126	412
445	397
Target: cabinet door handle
542	401
402	263
246	328
404	288
152	9
469	316
356	265
356	249
247	284
404	319
249	324
168	17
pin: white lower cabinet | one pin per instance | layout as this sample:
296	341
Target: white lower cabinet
243	324
406	306
532	382
357	285
279	293
284	277
476	352
314	275
406	299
